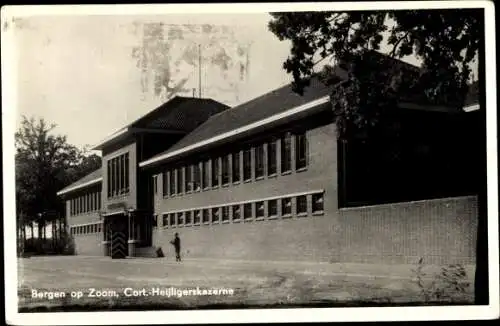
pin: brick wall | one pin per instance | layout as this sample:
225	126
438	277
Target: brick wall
297	238
88	244
442	231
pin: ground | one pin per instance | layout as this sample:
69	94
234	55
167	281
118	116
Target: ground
254	283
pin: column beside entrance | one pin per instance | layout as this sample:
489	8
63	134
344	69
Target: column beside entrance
132	234
106	242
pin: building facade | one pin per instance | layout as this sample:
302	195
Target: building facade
266	180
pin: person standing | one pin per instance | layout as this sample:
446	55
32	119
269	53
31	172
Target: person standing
177	245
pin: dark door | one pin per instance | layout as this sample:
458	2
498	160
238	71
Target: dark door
119	237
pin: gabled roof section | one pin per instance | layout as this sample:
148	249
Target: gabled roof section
254	111
90	179
178	115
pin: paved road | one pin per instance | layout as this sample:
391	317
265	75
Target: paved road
253	282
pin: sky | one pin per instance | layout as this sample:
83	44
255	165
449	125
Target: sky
79	73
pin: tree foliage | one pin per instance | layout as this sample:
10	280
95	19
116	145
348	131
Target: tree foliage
445	41
45	163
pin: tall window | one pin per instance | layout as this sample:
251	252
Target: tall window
196	177
188	186
225	169
206	174
247	164
165	220
188	217
259	209
173	222
272	208
247	211
286	153
215	172
197	216
99	200
155	184
236	212
166	184
286	206
215	214
180	218
225	213
206	216
317	203
271	157
259	161
179	180
171	181
118	175
301	205
300	151
236	166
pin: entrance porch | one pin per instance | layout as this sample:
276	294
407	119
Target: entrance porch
124	232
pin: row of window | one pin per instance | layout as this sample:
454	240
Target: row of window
246	164
86	229
89	202
118	176
259	209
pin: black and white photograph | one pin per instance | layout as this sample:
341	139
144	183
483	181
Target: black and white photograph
250	162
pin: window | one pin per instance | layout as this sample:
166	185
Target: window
171	180
118	175
99	200
247	211
300	151
180	218
155	184
225	213
155	221
188	186
99	227
236	166
317	203
172	220
165	220
179	180
286	206
206	216
259	209
197	216
206	174
259	161
215	215
196	177
215	172
188	217
272	208
301	205
247	164
286	153
166	184
236	212
225	169
271	158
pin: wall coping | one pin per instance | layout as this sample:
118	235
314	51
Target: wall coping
343	209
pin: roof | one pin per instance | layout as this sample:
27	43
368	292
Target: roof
179	115
260	108
90	179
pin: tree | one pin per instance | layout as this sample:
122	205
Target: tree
445	41
45	163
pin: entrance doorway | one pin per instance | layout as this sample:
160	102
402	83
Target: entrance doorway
118	236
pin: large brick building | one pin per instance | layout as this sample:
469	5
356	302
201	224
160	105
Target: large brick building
270	180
